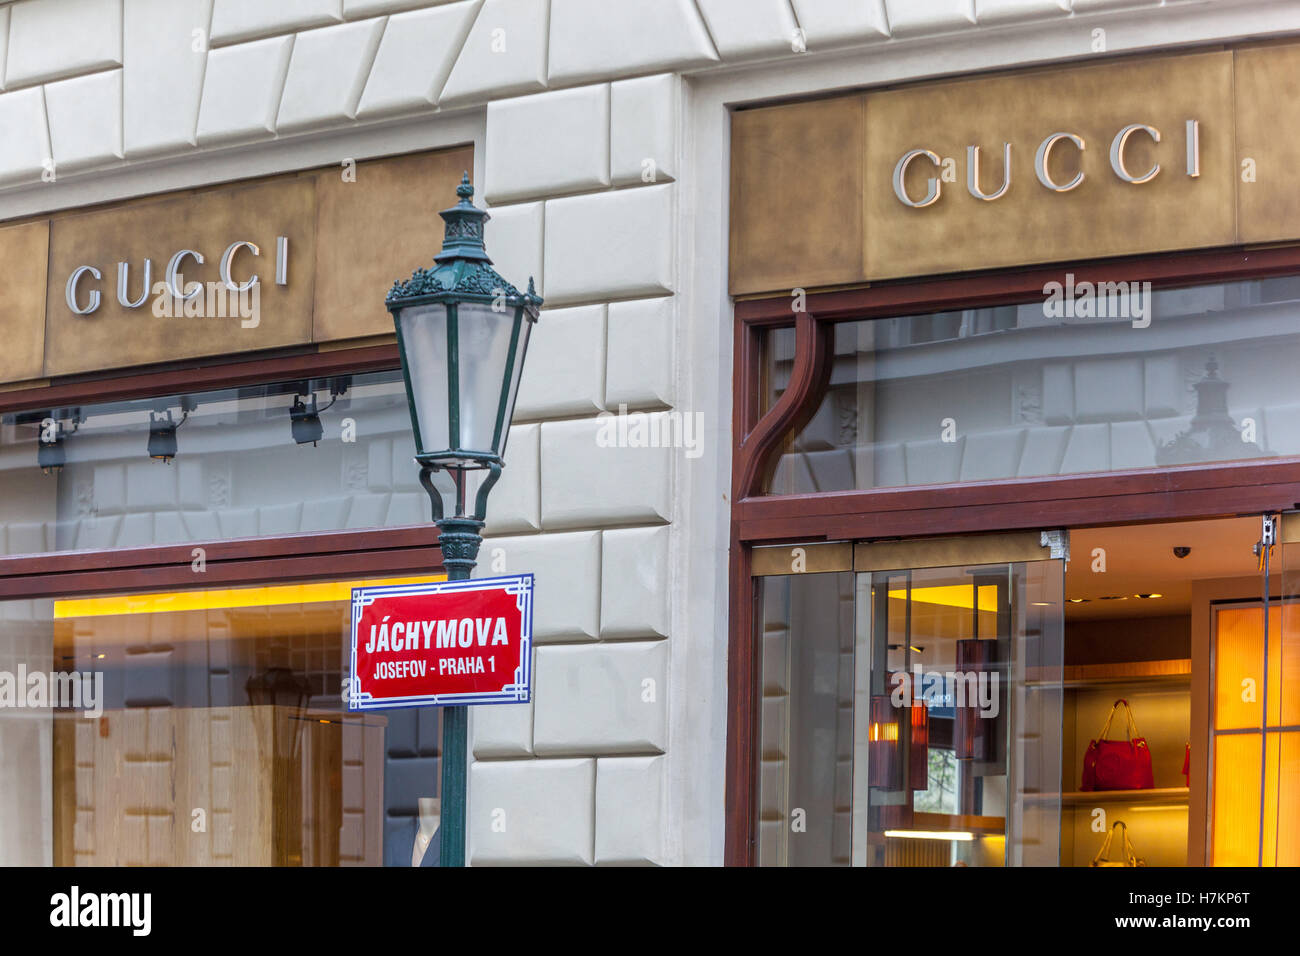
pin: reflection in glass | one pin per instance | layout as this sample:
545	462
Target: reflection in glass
911	718
218	735
82	478
976	651
806	725
1202	374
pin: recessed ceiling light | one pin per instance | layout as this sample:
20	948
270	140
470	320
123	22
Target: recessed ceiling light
1113	597
1077	600
1148	597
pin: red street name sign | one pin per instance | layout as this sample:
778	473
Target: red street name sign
442	644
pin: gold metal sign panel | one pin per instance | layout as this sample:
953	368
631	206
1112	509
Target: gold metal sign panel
23	251
1111	159
1268	145
814	558
101	313
376	223
796	179
960	551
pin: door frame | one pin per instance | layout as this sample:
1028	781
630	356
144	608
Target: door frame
1113	498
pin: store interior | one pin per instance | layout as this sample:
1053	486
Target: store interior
1140	678
223	737
1157	615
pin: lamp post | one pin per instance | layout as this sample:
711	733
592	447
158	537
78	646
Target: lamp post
462	331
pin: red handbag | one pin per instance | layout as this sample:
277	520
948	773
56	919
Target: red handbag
1118	764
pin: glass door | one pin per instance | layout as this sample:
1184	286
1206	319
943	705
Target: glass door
958	701
910	701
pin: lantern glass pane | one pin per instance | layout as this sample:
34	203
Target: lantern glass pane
423	330
525	327
484	346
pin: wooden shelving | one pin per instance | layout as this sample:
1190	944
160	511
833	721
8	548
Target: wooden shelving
946	821
1076	797
1089	675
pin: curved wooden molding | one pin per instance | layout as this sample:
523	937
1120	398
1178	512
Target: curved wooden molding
756	453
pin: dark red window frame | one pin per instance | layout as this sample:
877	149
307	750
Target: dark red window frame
297	557
1120	497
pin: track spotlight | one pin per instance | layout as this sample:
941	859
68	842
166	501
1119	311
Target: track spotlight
50	454
162	436
162	432
305	421
162	429
304	417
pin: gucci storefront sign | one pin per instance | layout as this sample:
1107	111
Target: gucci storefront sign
107	287
1125	156
1119	164
173	295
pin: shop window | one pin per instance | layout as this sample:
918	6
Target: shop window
1067	385
1130	685
300	456
1243	683
204	728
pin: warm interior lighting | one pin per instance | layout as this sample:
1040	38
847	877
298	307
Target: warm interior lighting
962	836
1151	808
167	602
1148	597
883	732
1077	600
1236	831
950	595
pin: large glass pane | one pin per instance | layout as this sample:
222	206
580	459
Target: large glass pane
959	716
484	334
806	720
424	333
776	353
1143	379
911	717
1255	818
203	728
238	471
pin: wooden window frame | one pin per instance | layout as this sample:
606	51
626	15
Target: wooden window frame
230	562
1108	498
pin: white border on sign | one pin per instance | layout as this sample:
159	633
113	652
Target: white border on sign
518	692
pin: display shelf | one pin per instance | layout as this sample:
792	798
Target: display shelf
1076	797
951	821
1175	671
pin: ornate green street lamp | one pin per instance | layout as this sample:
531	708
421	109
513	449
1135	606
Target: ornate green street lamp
462	331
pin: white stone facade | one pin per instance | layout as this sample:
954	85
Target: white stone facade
601	148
